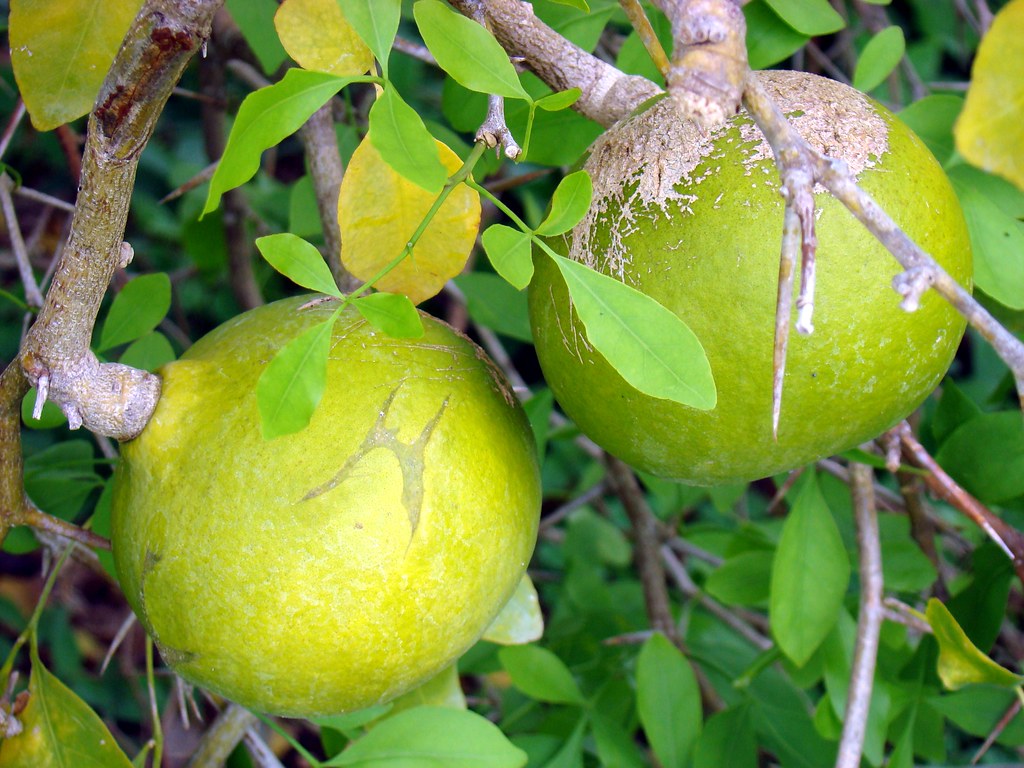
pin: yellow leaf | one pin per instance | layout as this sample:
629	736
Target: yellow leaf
61	51
378	213
989	131
316	34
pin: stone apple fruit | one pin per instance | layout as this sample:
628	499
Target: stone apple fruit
340	566
694	220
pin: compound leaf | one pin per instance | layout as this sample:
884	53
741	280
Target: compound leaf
398	133
299	261
317	35
290	387
510	252
137	309
392	313
569	204
376	22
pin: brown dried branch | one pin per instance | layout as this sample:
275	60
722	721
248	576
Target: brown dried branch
709	59
13	387
223	736
921	270
638	18
869	620
608	94
1008	538
110	399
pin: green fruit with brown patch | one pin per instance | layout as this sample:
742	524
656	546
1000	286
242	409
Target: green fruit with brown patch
695	221
338	567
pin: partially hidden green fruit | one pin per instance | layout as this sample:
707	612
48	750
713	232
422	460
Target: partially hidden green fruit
338	567
695	221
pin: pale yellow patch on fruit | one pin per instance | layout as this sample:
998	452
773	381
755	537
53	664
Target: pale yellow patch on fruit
318	37
380	210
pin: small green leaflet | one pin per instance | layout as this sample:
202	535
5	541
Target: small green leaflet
467	51
510	252
255	20
569	204
579	4
668	701
392	313
398	133
520	620
556	102
810	575
809	17
648	345
149	352
136	310
299	261
540	674
59	730
290	388
960	661
879	58
424	737
376	22
266	117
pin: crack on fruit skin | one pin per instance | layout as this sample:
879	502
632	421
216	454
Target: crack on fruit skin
410	458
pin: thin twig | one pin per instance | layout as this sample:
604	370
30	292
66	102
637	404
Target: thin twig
33	297
36	518
12	126
638	18
223	736
869	621
45	199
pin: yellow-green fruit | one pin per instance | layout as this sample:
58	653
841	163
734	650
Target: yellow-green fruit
695	221
337	567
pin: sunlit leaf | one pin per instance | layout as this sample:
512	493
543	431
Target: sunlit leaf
569	204
376	22
379	211
555	102
429	737
467	51
769	39
809	17
61	51
990	131
647	344
290	387
520	620
137	309
960	661
997	244
299	261
879	58
442	690
266	117
392	313
668	701
59	730
810	575
149	352
540	674
399	135
510	252
317	35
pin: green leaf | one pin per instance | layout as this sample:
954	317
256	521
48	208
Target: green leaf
648	345
351	722
290	387
990	132
467	51
808	17
148	353
398	133
769	39
960	661
728	739
520	620
392	313
578	4
810	575
376	22
570	755
299	261
52	416
442	690
555	102
510	252
997	242
495	304
986	456
668	701
540	674
61	51
136	310
59	730
569	204
255	18
266	117
742	579
615	747
932	119
879	58
430	737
